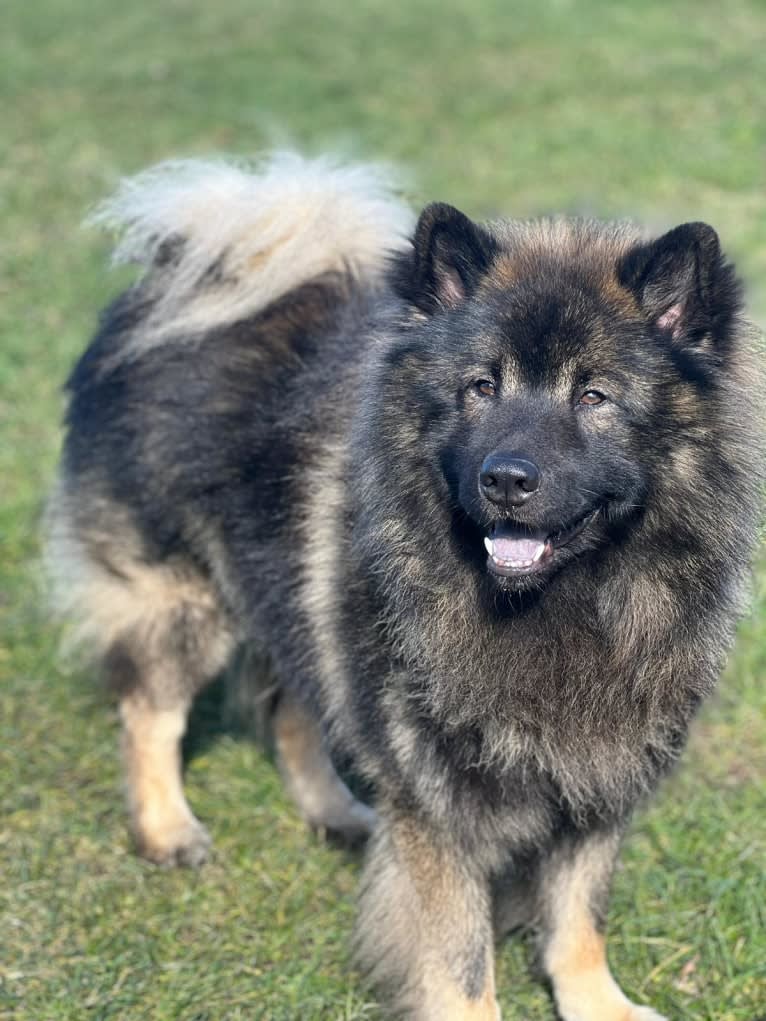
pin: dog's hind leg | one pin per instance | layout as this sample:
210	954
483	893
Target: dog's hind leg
574	886
165	829
310	777
176	642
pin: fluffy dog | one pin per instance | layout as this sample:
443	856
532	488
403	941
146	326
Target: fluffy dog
483	497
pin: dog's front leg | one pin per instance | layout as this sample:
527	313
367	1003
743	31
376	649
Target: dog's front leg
424	931
574	888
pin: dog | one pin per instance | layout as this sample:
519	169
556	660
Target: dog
480	500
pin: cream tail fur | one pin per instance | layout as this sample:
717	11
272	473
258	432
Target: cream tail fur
221	241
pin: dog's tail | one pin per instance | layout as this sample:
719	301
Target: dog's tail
220	241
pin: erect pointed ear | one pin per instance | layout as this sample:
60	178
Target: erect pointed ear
450	255
683	283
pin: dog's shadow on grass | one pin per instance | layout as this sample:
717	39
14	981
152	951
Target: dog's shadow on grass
209	722
238	703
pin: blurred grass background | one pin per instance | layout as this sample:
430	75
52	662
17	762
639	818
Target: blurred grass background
650	109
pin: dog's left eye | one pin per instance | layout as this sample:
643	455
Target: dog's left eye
592	397
485	387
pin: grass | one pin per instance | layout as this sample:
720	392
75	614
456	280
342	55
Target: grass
649	109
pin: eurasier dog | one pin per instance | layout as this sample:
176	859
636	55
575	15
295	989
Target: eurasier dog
483	496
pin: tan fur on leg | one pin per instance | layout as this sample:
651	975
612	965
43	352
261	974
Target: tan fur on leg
575	952
165	828
323	799
424	928
444	1000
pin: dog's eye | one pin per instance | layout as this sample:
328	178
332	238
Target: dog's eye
485	387
592	397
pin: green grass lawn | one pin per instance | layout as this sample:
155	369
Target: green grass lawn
650	109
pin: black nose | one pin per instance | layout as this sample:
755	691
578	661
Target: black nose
508	480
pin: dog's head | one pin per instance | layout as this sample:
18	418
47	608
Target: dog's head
545	378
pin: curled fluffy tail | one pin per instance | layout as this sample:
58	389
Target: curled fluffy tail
220	241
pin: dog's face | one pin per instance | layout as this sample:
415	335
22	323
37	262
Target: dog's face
546	442
548	370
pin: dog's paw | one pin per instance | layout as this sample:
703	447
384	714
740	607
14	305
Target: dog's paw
350	827
643	1014
606	1008
187	843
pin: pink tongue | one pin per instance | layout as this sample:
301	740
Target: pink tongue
520	550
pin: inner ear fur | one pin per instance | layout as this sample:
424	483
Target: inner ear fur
450	255
683	283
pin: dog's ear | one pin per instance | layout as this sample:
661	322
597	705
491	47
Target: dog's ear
683	283
450	255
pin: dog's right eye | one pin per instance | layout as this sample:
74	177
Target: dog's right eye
592	397
484	387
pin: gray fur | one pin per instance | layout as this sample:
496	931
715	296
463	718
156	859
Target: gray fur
303	481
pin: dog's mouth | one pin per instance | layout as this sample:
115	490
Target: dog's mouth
514	550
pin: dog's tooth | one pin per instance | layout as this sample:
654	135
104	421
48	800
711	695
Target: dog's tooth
538	553
488	544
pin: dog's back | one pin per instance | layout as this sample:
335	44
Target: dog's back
184	418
